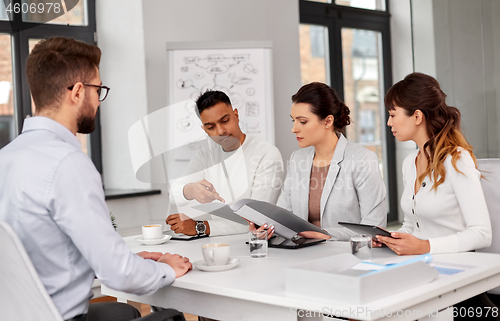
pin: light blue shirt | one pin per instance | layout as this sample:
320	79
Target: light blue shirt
52	196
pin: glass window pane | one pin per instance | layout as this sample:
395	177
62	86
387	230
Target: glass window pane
84	139
64	12
4	6
363	89
314	58
7	119
364	4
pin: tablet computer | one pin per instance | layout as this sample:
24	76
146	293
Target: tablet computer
366	229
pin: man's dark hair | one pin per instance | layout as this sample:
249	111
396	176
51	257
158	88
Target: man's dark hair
57	63
211	98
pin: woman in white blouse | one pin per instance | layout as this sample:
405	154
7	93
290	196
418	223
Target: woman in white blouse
444	206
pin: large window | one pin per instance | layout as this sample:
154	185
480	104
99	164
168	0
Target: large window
22	24
346	43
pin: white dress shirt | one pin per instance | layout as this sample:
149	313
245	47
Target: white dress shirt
52	196
255	170
454	217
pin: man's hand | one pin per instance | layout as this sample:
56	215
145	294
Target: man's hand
181	223
405	244
155	256
202	191
181	265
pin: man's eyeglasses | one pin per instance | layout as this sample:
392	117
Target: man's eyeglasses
100	92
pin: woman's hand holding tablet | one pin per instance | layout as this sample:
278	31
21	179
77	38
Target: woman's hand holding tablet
405	244
366	229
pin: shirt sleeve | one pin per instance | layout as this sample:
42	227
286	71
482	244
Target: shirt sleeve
284	200
469	193
339	233
268	178
371	192
194	172
220	226
407	226
77	200
265	187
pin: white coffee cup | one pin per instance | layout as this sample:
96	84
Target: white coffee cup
216	253
152	231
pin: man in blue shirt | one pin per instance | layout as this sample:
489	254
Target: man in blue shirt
51	193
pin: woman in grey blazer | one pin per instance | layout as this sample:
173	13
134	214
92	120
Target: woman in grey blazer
330	179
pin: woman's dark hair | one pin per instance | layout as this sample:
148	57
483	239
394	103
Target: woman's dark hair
422	92
324	102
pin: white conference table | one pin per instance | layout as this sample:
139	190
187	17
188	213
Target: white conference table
255	290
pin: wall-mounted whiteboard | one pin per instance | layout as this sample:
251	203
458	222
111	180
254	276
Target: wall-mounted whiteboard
240	69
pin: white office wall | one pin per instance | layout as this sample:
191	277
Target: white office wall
467	38
121	38
134	65
120	35
227	20
402	65
424	51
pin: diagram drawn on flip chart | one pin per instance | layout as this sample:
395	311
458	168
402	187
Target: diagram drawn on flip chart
241	70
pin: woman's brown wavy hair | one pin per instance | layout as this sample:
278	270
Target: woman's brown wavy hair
422	92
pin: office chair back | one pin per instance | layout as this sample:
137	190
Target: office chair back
490	169
22	294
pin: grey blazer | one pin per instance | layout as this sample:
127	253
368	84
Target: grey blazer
354	190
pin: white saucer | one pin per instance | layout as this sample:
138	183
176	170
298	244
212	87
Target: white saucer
201	265
154	241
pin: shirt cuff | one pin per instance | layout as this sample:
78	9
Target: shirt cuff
226	227
177	195
168	274
341	234
447	244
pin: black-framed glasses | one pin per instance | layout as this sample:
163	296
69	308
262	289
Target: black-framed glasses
100	92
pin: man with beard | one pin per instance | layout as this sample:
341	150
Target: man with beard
51	194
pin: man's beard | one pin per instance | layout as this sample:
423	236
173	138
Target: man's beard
86	120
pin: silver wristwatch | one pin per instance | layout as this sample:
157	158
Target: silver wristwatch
200	228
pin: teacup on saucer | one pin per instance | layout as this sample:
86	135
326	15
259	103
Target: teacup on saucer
152	232
216	253
160	240
202	265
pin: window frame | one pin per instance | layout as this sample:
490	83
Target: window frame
335	17
20	37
